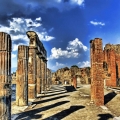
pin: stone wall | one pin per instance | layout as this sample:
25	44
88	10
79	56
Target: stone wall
112	61
66	74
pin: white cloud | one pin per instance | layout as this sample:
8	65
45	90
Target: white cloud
84	64
13	55
38	19
97	23
78	2
44	37
20	26
76	44
20	36
73	50
57	66
15	47
31	23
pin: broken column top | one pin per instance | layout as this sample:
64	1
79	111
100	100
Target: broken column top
36	43
5	42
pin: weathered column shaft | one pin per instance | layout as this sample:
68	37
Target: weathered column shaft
5	76
32	72
97	83
46	84
22	76
38	75
43	74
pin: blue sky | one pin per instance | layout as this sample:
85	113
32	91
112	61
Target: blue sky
65	27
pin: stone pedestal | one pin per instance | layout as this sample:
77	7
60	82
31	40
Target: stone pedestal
5	76
22	76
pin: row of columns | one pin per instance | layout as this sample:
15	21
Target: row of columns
31	70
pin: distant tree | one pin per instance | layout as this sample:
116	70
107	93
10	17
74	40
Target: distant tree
74	66
66	68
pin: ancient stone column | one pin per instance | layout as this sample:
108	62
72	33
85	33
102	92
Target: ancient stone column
36	48
43	74
5	76
22	76
32	66
45	65
74	81
38	74
97	82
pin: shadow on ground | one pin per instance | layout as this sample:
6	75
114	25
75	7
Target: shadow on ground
70	88
33	114
64	113
105	116
51	95
50	99
108	97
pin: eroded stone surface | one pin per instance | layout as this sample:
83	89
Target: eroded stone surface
97	83
5	79
22	76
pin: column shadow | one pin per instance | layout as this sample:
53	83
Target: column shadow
70	88
51	95
47	100
105	116
108	97
32	113
64	113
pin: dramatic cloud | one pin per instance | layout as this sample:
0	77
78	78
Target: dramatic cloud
84	64
97	23
19	26
22	7
73	50
75	45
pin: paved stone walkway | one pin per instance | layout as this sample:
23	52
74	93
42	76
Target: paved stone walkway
63	103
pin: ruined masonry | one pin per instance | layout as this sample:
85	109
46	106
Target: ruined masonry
5	79
31	70
97	82
111	65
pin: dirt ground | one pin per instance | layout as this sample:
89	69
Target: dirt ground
65	103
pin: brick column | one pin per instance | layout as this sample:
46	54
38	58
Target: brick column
97	83
111	75
5	76
22	76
